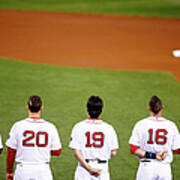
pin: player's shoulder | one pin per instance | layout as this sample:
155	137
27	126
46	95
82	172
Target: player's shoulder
87	122
141	123
161	120
50	124
34	121
170	123
19	123
107	124
80	124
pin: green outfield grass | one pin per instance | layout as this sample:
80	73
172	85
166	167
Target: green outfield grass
65	90
158	8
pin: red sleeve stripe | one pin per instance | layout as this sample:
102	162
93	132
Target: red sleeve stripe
56	152
1	150
133	148
10	160
177	151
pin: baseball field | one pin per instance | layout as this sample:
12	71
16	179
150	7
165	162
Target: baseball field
68	50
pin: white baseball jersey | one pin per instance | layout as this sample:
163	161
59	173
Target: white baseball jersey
1	146
94	138
156	134
33	140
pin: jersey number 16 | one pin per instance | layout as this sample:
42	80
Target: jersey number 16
160	136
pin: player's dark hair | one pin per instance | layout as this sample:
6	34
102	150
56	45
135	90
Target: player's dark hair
94	106
155	104
34	103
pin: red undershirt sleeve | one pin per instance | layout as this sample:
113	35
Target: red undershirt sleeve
133	148
10	159
177	151
56	152
1	150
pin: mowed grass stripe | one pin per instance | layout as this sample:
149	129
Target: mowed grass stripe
65	90
157	8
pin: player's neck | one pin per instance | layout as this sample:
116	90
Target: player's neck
34	115
93	118
156	115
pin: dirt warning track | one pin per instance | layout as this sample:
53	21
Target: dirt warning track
95	41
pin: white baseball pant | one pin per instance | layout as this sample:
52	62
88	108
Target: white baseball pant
82	174
154	170
33	172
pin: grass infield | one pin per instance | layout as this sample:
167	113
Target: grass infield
65	91
157	8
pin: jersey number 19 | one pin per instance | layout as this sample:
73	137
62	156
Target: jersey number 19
97	138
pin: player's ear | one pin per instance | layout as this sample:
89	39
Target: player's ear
41	108
28	108
162	107
149	109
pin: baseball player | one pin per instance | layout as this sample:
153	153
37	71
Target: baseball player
153	140
1	146
31	142
93	142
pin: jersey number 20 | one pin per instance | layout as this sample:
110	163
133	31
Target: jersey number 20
97	139
39	136
160	136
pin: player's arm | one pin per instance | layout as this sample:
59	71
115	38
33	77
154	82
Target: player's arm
1	150
113	152
56	152
114	145
10	162
177	151
12	144
136	150
56	147
1	146
80	158
176	141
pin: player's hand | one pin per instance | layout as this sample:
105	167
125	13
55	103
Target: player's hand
161	156
9	176
95	172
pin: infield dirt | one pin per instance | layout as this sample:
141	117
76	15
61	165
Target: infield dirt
94	41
